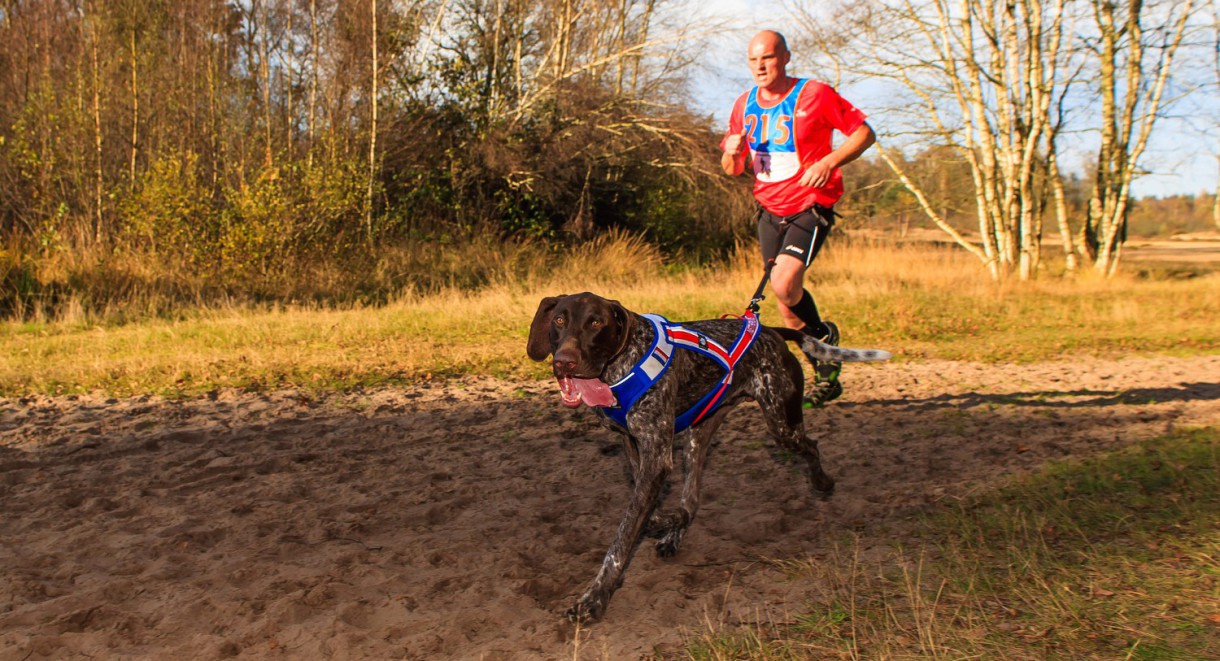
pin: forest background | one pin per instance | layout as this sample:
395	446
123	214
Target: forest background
210	151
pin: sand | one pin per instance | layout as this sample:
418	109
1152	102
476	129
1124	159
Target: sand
459	520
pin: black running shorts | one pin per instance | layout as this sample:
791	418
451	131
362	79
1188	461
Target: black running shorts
800	235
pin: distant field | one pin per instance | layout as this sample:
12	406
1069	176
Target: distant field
1202	250
917	300
1197	249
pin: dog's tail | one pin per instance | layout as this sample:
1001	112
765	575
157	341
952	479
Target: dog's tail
827	352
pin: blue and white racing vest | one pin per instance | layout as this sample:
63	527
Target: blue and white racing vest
770	136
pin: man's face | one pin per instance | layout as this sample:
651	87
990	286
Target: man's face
768	61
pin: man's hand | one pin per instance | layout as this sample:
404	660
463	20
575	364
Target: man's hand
735	143
818	174
735	149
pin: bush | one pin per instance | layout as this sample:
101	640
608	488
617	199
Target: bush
169	212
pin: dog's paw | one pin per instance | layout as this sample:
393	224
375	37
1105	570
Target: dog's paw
668	546
589	609
662	524
822	485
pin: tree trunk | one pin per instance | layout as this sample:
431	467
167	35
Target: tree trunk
265	70
1216	200
915	190
1061	212
135	112
1126	126
493	73
313	79
97	135
288	77
368	197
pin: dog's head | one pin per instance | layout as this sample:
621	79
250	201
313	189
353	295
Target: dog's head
583	333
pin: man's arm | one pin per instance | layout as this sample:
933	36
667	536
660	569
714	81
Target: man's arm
856	144
733	160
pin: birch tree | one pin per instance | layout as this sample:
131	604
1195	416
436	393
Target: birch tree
1136	45
374	96
981	77
89	24
1215	62
996	81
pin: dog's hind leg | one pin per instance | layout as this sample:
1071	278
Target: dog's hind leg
786	421
670	527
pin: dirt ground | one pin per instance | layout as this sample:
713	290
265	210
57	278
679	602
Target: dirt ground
459	521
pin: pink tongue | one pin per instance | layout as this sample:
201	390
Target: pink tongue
591	391
595	392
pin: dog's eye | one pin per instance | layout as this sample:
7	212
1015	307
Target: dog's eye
559	322
597	323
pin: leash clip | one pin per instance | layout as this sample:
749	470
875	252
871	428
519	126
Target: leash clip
762	285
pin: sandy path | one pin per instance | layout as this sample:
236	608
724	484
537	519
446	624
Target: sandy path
458	521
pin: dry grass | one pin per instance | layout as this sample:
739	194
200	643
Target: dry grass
98	287
918	301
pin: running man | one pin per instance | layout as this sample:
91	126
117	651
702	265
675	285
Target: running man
782	129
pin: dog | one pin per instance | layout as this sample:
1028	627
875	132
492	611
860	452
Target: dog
595	342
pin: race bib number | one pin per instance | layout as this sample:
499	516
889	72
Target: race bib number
769	132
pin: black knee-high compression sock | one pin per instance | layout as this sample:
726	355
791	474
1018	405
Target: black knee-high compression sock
807	311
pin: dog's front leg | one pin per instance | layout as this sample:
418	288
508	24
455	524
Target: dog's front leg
670	527
655	461
631	449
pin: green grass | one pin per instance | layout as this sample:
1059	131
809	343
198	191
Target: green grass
919	303
1112	557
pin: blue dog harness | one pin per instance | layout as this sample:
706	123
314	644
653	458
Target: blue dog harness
668	337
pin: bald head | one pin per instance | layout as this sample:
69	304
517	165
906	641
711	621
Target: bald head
768	58
772	39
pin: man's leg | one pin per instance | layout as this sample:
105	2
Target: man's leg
796	306
799	310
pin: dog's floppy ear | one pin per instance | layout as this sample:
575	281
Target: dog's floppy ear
625	321
540	329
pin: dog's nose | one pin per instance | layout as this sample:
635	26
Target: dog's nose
565	360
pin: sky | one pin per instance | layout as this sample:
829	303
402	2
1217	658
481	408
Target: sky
1181	155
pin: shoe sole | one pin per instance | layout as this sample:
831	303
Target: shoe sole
819	399
828	370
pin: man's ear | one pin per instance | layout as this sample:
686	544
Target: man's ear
538	347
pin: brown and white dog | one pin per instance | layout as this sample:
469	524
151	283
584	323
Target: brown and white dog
594	342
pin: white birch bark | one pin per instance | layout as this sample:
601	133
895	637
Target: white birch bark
313	80
373	101
135	109
97	133
1126	127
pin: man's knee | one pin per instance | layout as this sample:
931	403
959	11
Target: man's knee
787	280
787	298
